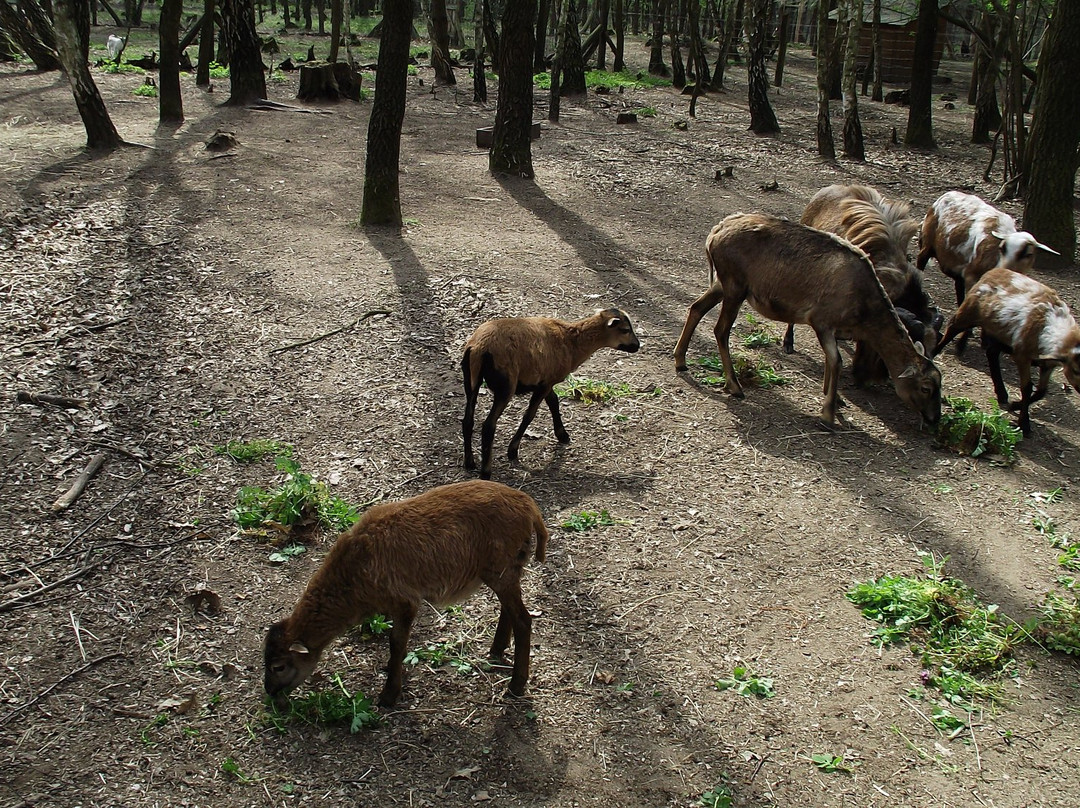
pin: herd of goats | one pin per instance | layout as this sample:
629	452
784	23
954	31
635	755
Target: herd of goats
843	270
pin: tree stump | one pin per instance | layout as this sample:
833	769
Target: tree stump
330	81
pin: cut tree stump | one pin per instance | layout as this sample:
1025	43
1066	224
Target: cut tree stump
331	81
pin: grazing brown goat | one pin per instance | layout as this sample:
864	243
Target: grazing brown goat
1023	317
797	274
439	547
516	355
883	230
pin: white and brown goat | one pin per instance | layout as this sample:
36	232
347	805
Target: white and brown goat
797	274
517	355
440	547
969	237
883	229
1021	316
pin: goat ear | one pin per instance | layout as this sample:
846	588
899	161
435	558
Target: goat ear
908	372
299	648
613	322
997	235
1044	248
920	350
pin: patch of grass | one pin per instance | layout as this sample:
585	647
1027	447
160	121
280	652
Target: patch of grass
297	502
232	768
760	337
114	68
588	520
146	91
254	450
613	81
412	70
965	647
335	705
750	372
218	71
830	763
438	654
1059	626
970	431
591	391
645	112
745	683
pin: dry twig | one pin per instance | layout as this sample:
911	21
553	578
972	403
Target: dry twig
59	682
338	330
77	487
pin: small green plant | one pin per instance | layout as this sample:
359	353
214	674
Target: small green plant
412	70
113	67
254	450
146	90
285	553
945	721
760	337
232	768
376	625
645	112
830	763
335	705
438	654
588	520
591	391
298	501
218	71
1059	626
965	647
716	797
1051	497
747	684
751	372
970	431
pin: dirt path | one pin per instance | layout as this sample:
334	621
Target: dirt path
156	282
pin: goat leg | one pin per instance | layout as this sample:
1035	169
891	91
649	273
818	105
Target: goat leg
530	413
487	433
556	417
698	309
789	339
993	360
729	310
831	381
403	618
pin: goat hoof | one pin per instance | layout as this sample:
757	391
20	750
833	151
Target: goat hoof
387	699
470	464
515	692
826	426
737	393
512	454
563	438
680	368
485	474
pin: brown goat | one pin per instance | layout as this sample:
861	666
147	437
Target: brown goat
797	274
439	547
1023	317
883	230
517	355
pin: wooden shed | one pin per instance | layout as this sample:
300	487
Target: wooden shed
899	21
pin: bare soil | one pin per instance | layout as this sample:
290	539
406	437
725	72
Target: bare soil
157	282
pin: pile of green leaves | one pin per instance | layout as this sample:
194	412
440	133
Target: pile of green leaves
254	450
750	372
298	502
591	391
968	430
587	520
745	683
612	81
965	647
332	706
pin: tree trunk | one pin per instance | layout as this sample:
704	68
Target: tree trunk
602	8
572	65
26	38
732	24
877	94
439	40
170	102
41	22
491	33
479	79
656	48
539	57
206	45
511	148
920	130
382	202
1052	157
337	18
619	62
853	138
762	118
825	146
678	72
698	62
781	54
73	43
246	80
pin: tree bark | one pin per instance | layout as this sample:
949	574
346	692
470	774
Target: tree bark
876	94
246	80
170	102
73	43
572	64
825	146
539	57
26	38
619	62
206	45
781	53
337	18
656	48
511	148
479	79
1052	156
985	75
439	40
853	138
920	130
762	118
382	202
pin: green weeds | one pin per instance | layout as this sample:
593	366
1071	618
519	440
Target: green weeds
299	502
716	797
745	683
970	431
1058	627
438	654
332	706
254	450
591	391
612	81
146	90
830	763
750	372
645	112
114	68
588	520
218	71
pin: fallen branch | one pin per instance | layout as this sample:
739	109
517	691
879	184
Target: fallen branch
59	682
8	605
73	493
57	401
319	337
274	106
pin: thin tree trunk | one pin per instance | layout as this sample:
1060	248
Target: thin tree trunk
382	202
246	80
619	63
511	148
656	48
439	40
479	78
602	25
73	43
539	56
920	130
853	138
825	146
781	54
337	19
170	102
876	56
19	29
206	45
572	64
762	118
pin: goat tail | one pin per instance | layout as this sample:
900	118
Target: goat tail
712	264
541	536
470	373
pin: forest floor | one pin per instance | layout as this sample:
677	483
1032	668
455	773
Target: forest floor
167	286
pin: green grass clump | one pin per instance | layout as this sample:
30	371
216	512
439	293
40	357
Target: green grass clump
750	372
716	797
254	450
587	520
591	391
968	430
1059	626
745	683
146	90
113	67
965	646
645	112
218	71
333	706
760	337
297	502
438	654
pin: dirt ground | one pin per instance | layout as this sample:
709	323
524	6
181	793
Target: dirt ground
157	282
